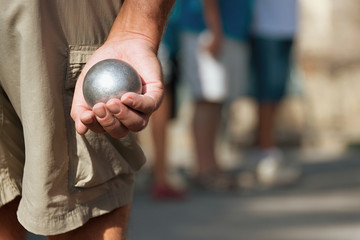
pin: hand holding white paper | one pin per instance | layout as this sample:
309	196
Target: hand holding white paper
212	72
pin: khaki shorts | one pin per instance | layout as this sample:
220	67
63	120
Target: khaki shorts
64	178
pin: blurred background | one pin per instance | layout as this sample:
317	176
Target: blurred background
317	127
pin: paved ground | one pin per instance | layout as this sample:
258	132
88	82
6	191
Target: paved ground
325	204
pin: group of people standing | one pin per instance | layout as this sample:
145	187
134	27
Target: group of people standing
224	50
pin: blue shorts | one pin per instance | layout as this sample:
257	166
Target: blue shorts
270	63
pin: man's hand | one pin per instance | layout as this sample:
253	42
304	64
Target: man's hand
130	113
134	38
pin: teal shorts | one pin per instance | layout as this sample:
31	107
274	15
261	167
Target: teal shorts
270	68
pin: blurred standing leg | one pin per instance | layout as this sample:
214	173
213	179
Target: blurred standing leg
266	122
159	124
161	188
272	60
206	122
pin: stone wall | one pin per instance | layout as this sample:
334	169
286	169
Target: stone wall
329	58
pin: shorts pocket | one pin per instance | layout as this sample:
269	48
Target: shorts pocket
78	55
94	158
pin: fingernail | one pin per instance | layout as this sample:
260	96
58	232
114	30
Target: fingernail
89	121
114	109
101	112
129	101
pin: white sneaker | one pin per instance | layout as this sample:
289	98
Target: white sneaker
271	170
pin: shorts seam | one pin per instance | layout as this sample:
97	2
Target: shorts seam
7	184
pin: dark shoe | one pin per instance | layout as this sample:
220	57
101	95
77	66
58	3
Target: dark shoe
220	182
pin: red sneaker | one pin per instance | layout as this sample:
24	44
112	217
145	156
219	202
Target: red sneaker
166	193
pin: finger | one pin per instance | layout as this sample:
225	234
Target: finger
88	119
75	114
133	120
109	122
143	103
80	127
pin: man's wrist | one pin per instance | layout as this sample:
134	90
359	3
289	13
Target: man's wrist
142	19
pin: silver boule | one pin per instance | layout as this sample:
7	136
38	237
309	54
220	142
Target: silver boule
110	78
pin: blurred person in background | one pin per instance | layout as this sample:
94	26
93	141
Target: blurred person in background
214	59
274	30
161	188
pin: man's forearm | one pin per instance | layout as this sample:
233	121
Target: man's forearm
145	17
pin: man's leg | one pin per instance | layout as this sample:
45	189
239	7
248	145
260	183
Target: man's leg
159	124
10	228
266	125
111	226
206	123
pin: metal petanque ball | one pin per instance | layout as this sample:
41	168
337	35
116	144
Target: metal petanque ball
110	78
